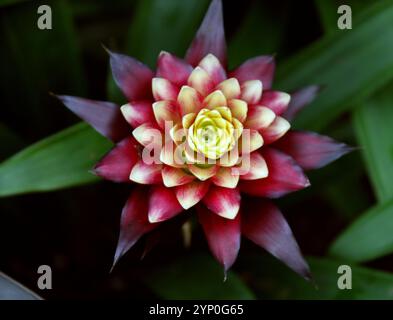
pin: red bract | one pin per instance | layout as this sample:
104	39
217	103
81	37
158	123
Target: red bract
195	134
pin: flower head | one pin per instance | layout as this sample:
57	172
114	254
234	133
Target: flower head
194	134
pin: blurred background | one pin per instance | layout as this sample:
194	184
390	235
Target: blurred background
54	212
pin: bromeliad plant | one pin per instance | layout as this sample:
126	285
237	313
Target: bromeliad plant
194	134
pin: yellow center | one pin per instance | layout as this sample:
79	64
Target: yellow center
214	132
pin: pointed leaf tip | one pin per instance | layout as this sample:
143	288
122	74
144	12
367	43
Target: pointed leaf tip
225	275
106	49
134	221
132	76
311	150
300	99
264	224
210	37
223	236
105	117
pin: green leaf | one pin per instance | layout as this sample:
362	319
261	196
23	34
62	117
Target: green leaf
59	161
373	123
260	22
351	64
160	25
12	290
346	194
270	279
196	276
327	14
34	62
369	237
